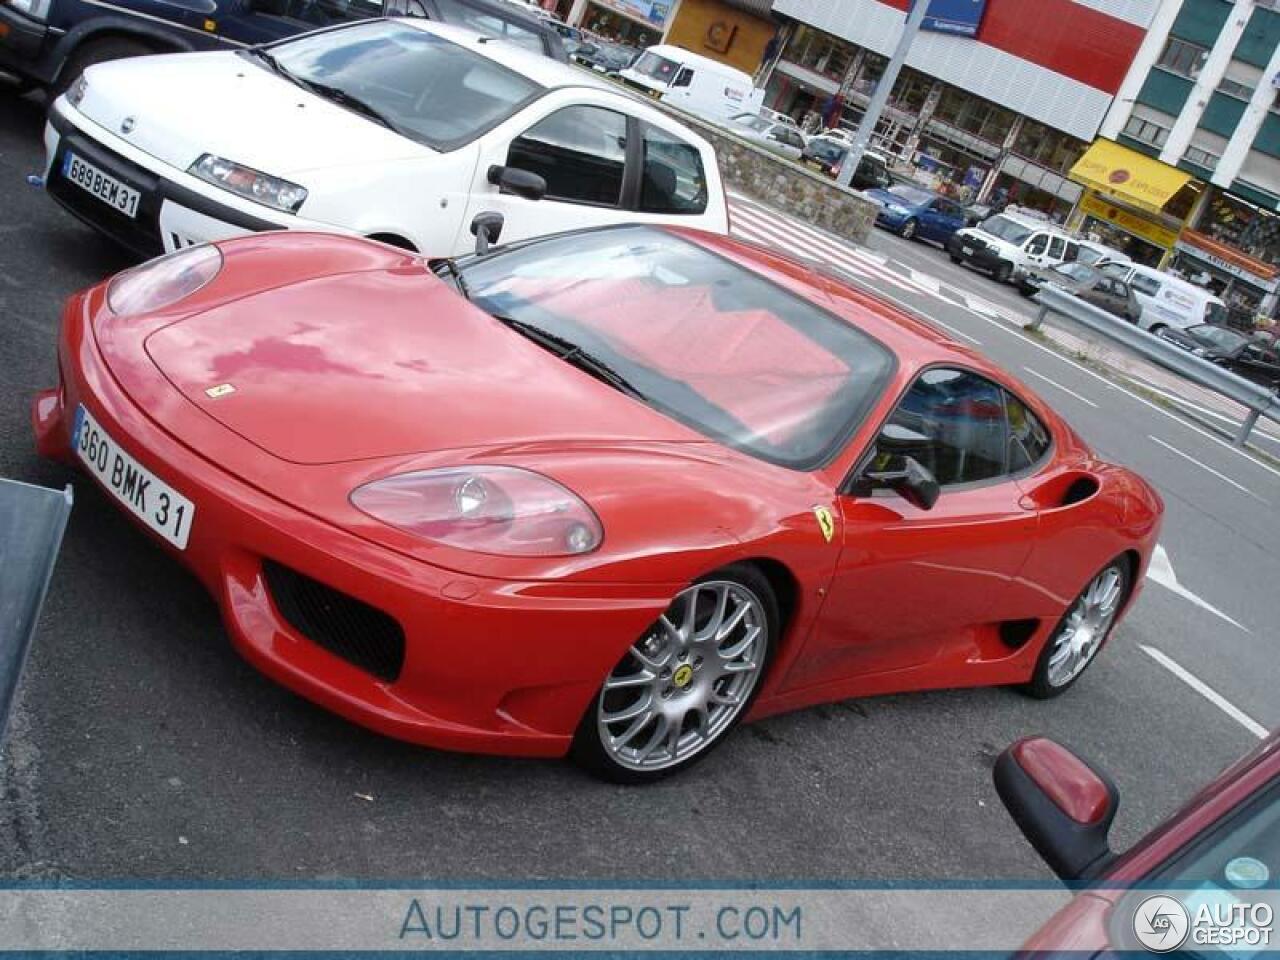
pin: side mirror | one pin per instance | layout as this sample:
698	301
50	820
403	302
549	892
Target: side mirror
912	481
520	183
487	228
1062	805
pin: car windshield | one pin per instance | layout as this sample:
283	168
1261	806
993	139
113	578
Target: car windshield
1215	312
1075	271
693	335
423	86
1220	337
1005	229
656	67
491	24
826	150
1089	255
617	57
752	122
912	196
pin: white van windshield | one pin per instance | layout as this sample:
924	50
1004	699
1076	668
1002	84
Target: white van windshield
656	67
1005	229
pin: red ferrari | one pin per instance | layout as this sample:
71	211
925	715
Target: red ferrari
604	493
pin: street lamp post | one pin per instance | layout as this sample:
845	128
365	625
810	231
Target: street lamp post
881	95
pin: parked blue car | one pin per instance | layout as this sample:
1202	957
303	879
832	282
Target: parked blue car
912	212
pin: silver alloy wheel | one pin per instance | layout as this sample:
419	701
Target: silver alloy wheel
682	684
1086	626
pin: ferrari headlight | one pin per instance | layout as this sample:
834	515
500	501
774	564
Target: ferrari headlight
163	281
249	183
77	90
486	509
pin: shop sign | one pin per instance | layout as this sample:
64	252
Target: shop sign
1127	220
960	18
654	12
1229	261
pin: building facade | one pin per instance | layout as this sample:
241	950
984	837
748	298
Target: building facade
736	32
1199	111
1002	107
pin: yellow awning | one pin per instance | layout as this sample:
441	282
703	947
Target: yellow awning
1128	175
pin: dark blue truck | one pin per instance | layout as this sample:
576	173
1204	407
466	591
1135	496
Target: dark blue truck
49	42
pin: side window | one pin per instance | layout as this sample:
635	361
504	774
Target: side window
673	179
683	78
1038	244
1029	441
1073	252
1057	247
580	151
952	422
1144	284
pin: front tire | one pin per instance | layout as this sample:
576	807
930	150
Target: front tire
1081	633
678	691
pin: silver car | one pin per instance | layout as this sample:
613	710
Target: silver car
780	138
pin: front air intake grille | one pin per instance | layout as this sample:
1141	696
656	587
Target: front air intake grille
362	635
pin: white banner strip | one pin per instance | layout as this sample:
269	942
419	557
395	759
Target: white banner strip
641	920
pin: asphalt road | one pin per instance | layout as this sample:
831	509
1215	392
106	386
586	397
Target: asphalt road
144	748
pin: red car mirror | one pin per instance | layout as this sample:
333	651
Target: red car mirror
1062	804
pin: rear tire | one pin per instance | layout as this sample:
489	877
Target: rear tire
1002	272
955	259
675	695
1155	329
908	230
1082	632
96	51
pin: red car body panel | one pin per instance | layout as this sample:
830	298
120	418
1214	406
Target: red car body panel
353	361
1083	926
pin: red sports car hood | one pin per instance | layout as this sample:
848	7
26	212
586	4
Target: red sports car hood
385	363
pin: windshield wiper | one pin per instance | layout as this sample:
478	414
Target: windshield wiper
572	354
259	54
344	99
456	275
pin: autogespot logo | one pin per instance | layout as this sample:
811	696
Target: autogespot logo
1161	924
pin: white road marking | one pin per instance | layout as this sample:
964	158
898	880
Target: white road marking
1055	383
1208	469
1161	571
925	280
1206	691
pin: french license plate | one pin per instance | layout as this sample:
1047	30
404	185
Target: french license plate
967	251
143	494
102	185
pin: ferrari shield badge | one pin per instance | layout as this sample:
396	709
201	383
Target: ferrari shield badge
826	522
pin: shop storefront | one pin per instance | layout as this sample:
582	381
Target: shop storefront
1132	202
636	23
1247	285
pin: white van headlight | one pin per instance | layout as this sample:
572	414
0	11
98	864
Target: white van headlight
77	90
249	183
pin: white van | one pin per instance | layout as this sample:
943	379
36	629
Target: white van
1010	245
693	83
1166	300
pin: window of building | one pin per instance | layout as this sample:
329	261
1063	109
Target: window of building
1049	148
1239	224
975	115
1234	88
820	52
1201	157
1182	57
911	91
1146	131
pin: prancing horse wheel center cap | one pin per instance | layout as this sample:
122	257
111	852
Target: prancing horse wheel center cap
683	676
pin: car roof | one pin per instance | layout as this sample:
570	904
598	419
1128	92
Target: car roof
537	67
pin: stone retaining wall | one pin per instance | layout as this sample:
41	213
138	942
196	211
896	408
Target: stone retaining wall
786	186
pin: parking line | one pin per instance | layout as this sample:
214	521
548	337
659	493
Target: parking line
1055	383
1206	691
1208	469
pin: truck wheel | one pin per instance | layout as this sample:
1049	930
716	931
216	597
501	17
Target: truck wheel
1003	271
96	51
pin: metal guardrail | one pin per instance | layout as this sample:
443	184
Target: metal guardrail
1260	401
32	521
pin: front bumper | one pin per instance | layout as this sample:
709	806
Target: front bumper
490	666
176	210
982	257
